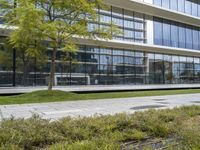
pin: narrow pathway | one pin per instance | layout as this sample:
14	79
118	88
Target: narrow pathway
97	107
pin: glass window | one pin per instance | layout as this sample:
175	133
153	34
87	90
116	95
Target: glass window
166	33
128	24
92	27
182	37
175	69
117	21
171	33
158	31
174	4
139	61
195	39
105	19
128	19
188	7
93	58
139	25
198	10
197	69
129	53
190	69
78	68
159	69
106	59
139	35
181	5
117	16
139	54
165	3
183	70
90	49
129	60
129	34
175	65
168	68
189	38
157	2
118	52
174	34
194	9
118	60
151	68
105	51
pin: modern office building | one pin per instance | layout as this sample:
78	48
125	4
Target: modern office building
159	44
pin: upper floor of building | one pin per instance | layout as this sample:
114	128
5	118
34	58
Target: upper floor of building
139	26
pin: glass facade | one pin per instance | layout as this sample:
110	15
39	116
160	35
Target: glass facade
174	34
131	24
103	66
190	7
171	69
94	65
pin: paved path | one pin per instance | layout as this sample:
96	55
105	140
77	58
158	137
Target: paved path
91	107
90	88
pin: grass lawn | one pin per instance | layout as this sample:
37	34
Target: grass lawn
174	129
55	96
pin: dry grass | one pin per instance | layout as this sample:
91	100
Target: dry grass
104	132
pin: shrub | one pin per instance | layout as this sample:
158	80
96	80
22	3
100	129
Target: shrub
101	132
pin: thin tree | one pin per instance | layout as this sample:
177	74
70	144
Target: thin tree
20	19
59	22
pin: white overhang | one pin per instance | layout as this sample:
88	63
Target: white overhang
153	10
139	47
125	45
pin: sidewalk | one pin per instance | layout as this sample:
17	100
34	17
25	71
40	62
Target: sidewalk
97	88
101	107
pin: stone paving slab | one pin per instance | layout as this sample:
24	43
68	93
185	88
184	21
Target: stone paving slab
95	88
57	110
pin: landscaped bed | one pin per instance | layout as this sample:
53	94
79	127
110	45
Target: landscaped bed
55	96
178	128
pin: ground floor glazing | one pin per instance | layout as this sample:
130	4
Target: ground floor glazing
102	66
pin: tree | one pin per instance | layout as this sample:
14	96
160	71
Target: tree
5	56
58	21
21	17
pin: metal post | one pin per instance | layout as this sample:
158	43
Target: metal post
35	71
14	67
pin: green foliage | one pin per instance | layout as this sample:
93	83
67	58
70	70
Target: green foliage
102	132
87	145
5	56
28	133
25	37
190	132
59	22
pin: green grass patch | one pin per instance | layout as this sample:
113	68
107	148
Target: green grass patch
103	132
55	96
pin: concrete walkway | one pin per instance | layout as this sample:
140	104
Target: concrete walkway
95	88
101	107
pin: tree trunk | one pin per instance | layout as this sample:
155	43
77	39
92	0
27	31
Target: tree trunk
52	72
